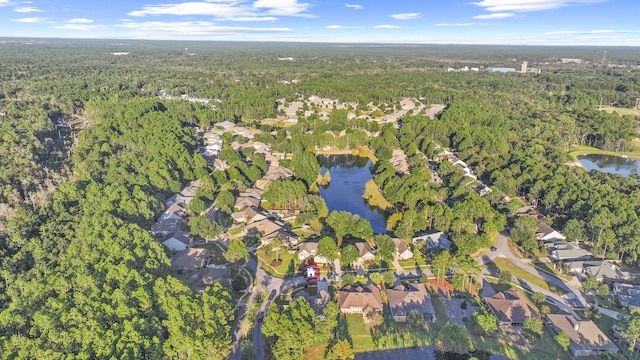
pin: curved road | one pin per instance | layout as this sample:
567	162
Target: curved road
575	297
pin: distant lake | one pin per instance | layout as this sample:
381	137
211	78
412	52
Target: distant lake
349	174
609	163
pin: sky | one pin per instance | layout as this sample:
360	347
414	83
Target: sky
524	22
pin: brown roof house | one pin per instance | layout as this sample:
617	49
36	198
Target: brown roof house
403	300
189	260
177	241
245	202
248	215
586	338
310	248
363	300
510	308
545	232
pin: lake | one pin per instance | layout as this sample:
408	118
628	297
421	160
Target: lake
349	174
609	163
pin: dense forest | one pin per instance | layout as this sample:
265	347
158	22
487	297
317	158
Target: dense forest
93	143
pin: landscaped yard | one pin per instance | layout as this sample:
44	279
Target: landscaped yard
503	264
288	267
366	338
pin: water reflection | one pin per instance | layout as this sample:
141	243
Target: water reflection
609	163
349	174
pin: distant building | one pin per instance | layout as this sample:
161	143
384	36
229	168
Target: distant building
571	60
523	69
434	240
500	69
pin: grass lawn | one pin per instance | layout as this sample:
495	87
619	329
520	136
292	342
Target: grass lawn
584	150
505	265
366	338
622	111
216	254
235	231
316	352
512	346
548	267
288	266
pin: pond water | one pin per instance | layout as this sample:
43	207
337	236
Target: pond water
609	163
349	174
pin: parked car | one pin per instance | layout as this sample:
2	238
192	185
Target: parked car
493	248
260	317
272	295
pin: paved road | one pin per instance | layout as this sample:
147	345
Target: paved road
574	298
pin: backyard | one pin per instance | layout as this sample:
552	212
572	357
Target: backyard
503	264
216	253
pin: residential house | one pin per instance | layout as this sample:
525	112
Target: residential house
400	161
438	239
570	254
185	196
169	221
530	211
189	260
308	249
403	252
403	300
277	173
366	251
546	233
586	338
271	229
246	202
248	215
177	241
226	125
628	295
254	193
602	270
482	189
363	300
219	164
510	308
210	276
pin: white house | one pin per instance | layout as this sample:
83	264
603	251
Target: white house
402	250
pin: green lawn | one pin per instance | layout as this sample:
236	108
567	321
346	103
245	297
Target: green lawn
365	338
584	150
288	266
506	265
374	197
547	267
622	111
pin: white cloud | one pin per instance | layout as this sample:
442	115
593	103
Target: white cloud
261	10
529	5
354	6
191	29
29	20
80	27
282	7
406	16
27	9
500	15
386	26
79	21
342	27
465	24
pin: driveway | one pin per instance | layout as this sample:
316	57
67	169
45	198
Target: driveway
575	297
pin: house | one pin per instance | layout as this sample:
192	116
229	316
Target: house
226	125
169	221
264	227
604	271
628	295
253	193
189	260
530	211
246	202
546	233
210	276
248	215
482	189
402	250
366	252
434	240
310	248
219	164
288	238
363	300
586	338
177	241
510	308
277	173
570	254
403	300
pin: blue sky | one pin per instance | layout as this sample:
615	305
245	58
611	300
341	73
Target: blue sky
533	22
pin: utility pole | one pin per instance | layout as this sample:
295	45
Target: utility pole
600	108
637	103
604	57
